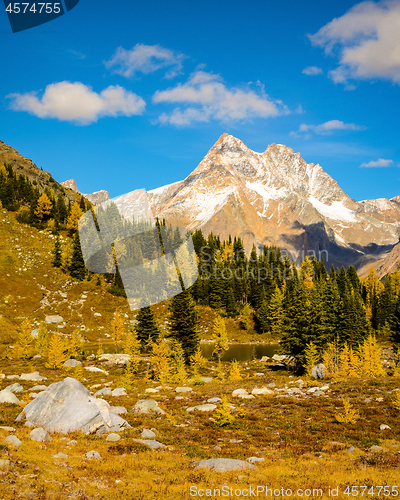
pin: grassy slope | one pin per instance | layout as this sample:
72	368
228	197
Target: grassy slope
293	435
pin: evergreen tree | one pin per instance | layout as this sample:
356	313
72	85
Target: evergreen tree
57	259
275	314
77	265
183	323
262	316
146	327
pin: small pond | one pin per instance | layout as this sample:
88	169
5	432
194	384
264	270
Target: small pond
240	352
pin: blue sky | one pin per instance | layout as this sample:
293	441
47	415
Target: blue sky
126	95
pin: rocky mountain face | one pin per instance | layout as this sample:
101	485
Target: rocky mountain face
25	166
275	197
384	266
95	198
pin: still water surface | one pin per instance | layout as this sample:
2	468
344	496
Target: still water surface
240	352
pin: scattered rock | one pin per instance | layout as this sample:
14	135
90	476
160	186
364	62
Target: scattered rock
15	388
217	448
205	407
324	388
213	400
12	441
183	389
6	428
119	391
238	392
4	464
262	391
311	390
28	423
73	442
106	391
8	397
118	410
115	359
384	427
148	434
318	393
351	449
61	456
253	460
151	443
151	390
295	390
39	388
113	437
95	369
11	377
206	380
67	406
376	449
31	376
147	406
246	396
93	454
319	371
259	374
39	434
223	464
72	363
53	319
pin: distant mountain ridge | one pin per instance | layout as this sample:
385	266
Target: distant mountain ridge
95	198
275	197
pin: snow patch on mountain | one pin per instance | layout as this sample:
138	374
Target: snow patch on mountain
266	192
336	211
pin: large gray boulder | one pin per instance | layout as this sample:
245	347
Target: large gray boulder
319	371
224	464
67	406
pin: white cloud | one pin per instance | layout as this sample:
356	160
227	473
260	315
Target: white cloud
326	128
76	102
368	38
207	97
145	59
378	163
312	70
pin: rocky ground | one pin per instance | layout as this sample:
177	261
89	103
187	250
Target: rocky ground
158	442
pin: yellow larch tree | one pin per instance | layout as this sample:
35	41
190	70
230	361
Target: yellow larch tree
73	219
57	352
24	345
43	207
